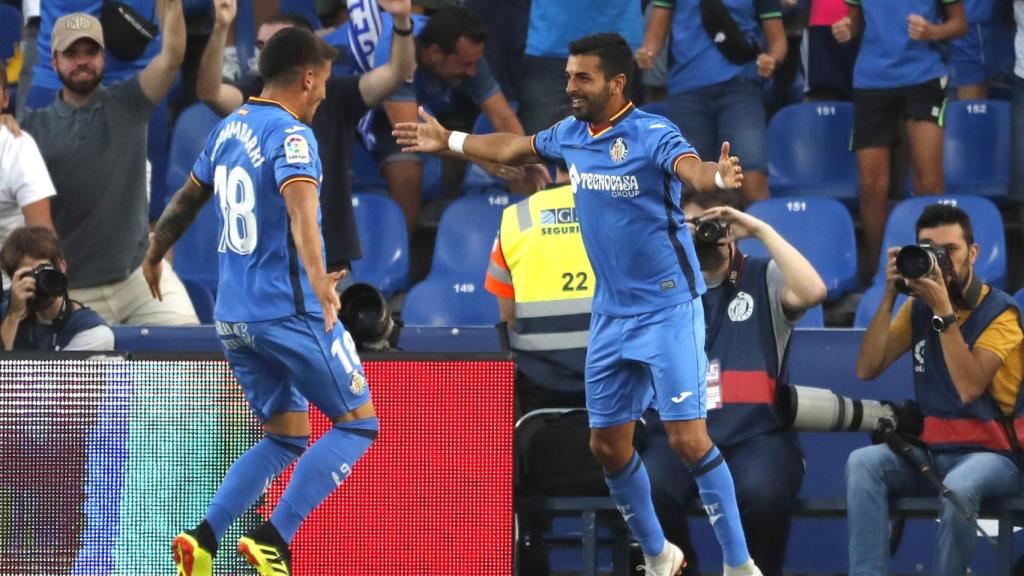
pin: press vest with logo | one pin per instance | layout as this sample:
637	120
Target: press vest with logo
49	337
554	287
949	424
743	363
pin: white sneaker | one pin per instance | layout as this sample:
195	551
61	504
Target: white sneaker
669	563
746	569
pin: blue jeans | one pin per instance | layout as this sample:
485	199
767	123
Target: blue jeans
874	473
732	111
1017	140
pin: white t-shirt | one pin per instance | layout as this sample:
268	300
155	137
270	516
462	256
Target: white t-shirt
1018	40
24	180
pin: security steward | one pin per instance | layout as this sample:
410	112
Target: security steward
542	278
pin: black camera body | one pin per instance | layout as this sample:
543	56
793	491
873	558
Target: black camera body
921	260
50	282
710	231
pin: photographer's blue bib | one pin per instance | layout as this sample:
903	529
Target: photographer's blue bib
743	363
949	424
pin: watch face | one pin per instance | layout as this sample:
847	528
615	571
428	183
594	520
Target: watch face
938	323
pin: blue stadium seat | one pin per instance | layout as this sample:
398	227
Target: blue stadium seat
976	151
10	31
466	234
985	219
202	300
812	318
868	305
195	255
819	162
447	301
1019	297
366	176
385	244
821	229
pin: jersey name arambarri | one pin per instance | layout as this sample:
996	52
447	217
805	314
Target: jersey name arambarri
248	160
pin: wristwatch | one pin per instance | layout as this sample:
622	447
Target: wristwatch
941	323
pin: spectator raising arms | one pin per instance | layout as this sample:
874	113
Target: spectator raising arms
897	81
715	86
93	139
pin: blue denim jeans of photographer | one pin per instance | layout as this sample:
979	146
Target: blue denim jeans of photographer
875	472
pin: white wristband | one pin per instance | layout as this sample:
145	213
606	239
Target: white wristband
718	179
456	140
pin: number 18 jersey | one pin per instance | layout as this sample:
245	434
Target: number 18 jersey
248	160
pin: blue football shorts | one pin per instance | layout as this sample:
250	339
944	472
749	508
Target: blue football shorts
657	357
283	364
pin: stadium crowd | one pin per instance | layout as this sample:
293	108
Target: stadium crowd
93	96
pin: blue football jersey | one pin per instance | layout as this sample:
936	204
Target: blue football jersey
248	159
627	196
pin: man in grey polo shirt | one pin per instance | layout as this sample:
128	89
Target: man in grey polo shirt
93	140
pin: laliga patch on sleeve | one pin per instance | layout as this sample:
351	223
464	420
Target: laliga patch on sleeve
296	150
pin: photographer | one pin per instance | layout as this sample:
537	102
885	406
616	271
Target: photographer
750	308
41	316
966	340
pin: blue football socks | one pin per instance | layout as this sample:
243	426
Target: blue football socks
717	492
249	477
320	470
631	490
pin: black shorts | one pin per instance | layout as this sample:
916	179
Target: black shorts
878	113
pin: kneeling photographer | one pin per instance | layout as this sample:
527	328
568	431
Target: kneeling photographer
965	337
750	308
40	316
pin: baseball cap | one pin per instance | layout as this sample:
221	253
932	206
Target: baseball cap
72	27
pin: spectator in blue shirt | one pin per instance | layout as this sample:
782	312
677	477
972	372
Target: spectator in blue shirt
972	59
452	81
715	97
899	78
553	24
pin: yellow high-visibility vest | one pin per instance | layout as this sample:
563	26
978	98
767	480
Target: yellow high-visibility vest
550	271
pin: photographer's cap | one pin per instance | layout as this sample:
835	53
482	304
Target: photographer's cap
73	27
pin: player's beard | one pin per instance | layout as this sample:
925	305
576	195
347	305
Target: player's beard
591	106
81	81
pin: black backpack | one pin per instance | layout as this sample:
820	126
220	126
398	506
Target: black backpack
725	34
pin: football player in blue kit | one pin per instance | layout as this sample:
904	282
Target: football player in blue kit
276	310
646	342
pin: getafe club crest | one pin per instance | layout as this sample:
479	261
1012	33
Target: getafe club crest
619	150
741	307
358	384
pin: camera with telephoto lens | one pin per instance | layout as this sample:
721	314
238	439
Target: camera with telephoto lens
710	231
50	282
809	409
920	261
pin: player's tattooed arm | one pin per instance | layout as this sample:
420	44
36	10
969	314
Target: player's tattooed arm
177	217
